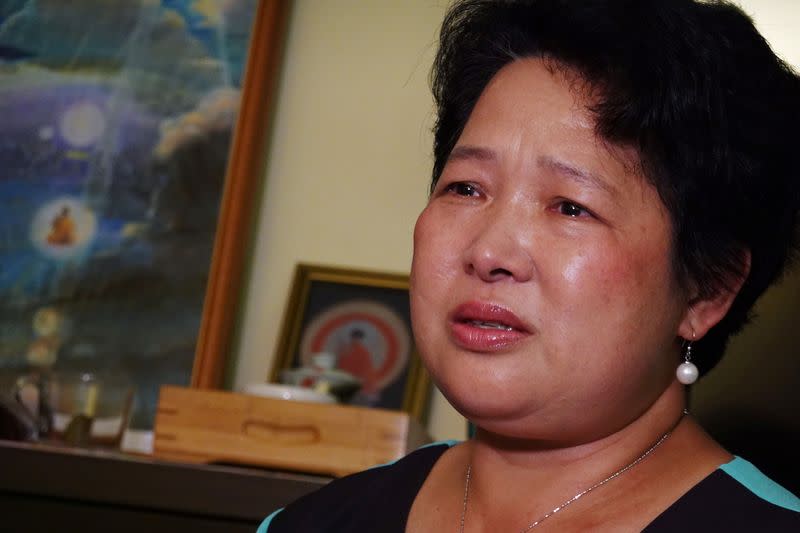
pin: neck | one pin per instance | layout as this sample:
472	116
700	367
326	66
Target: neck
507	472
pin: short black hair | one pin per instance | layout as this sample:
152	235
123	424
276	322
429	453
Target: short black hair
693	86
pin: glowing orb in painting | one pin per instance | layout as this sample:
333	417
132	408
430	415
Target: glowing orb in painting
46	133
369	339
63	228
47	321
82	124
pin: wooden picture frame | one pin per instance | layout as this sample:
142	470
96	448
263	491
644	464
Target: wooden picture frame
244	166
363	317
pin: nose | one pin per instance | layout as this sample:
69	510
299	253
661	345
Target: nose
501	248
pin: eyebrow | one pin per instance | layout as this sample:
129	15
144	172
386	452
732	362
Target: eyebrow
578	174
463	152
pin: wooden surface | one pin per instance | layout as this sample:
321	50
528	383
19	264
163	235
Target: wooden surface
214	426
49	488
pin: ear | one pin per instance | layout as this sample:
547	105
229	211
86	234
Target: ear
703	313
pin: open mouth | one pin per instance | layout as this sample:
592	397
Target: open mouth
487	316
488	325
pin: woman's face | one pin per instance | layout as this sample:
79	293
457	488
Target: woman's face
543	299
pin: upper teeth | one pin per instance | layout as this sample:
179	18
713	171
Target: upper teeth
494	325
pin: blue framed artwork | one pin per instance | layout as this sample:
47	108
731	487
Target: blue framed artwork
117	125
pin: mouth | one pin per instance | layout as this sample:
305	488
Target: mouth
486	327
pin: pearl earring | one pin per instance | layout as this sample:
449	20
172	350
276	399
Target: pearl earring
687	372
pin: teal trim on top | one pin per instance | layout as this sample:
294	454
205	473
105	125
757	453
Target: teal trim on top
264	527
751	477
450	443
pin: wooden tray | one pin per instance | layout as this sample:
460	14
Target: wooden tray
209	426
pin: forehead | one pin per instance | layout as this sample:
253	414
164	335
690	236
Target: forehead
537	108
540	85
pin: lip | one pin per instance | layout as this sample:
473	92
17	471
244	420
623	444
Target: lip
472	337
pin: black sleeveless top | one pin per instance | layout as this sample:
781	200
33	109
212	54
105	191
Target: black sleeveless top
735	497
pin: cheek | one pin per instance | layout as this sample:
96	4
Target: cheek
434	269
422	287
619	284
435	252
613	308
644	274
419	258
423	265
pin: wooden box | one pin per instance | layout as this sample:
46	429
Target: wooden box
211	426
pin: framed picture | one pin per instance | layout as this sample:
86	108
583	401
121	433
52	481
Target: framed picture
131	144
363	319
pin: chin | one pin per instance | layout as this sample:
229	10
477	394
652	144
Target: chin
502	419
490	402
530	430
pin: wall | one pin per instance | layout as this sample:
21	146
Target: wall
348	166
349	161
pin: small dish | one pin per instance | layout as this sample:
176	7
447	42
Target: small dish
287	392
337	382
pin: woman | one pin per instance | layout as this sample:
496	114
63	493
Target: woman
613	188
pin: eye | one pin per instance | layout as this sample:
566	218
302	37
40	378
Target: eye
462	188
572	209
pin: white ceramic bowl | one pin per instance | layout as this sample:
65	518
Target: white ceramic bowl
287	392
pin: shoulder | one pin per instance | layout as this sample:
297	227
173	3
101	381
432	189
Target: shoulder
377	499
736	497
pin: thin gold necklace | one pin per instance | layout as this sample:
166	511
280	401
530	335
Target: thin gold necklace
561	507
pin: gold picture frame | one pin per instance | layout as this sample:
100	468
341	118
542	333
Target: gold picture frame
361	316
